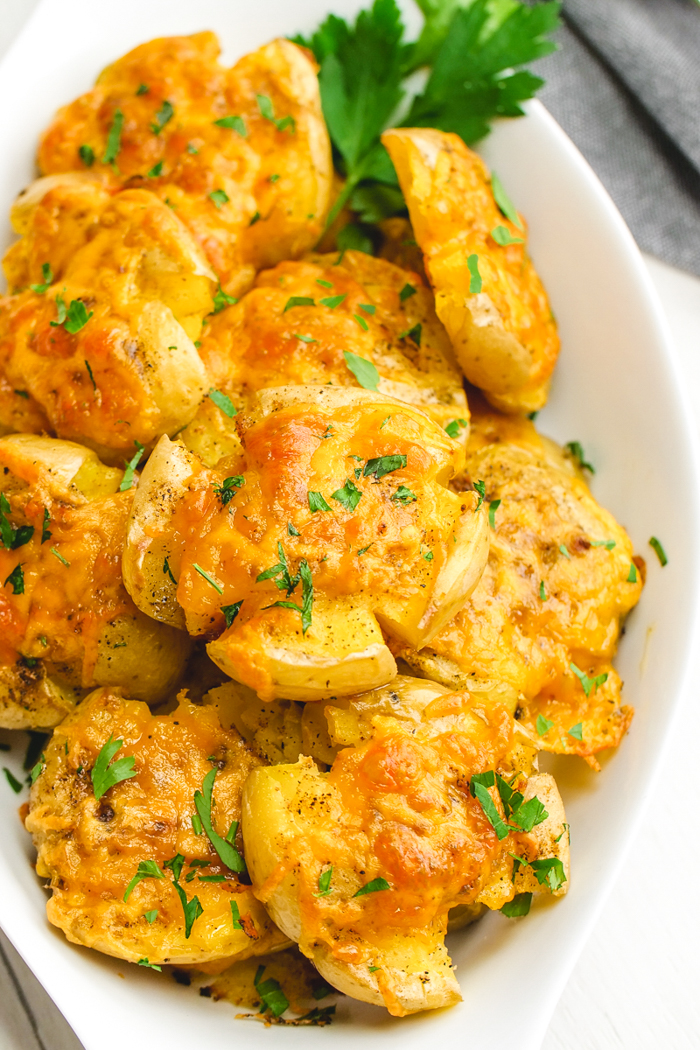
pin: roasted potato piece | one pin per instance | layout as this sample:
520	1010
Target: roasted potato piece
106	351
362	865
545	616
487	293
272	729
91	848
382	542
241	154
262	342
68	622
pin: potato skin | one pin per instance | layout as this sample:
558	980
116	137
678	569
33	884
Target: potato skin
503	333
506	630
200	157
395	805
407	563
90	849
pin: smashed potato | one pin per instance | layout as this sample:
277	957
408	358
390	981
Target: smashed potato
132	873
242	155
68	623
546	614
487	292
103	343
300	322
362	865
340	502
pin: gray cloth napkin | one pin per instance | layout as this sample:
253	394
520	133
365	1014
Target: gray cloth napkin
625	85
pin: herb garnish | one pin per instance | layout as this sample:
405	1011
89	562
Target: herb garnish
316	502
575	450
60	557
332	301
12	780
47	274
147	869
375	886
266	111
324	882
503	236
219	198
167	571
589	684
480	487
520	905
543	593
475	281
87	155
404	496
231	611
543	725
228	488
632	574
660	552
227	852
205	575
222	300
549	870
223	402
73	317
454	426
273	998
479	784
12	536
155	171
164	114
383	465
349	496
406	292
113	139
16	578
128	479
150	965
103	775
363	370
298	300
493	507
234	122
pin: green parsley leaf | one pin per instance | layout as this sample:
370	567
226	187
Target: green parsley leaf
60	557
305	338
255	218
632	574
150	965
332	301
227	852
480	487
520	905
147	869
273	178
348	497
660	552
576	731
103	775
543	593
529	814
87	155
234	122
322	990
113	138
549	870
222	300
219	198
175	864
22	393
503	236
383	465
493	507
16	578
361	321
192	149
354	237
298	300
317	502
292	530
77	316
128	479
504	202
155	171
363	370
413	333
575	450
273	998
231	612
208	578
228	489
266	111
406	292
564	550
12	536
324	882
192	909
45	534
479	789
47	274
92	378
151	916
475	281
142	89
307	599
167	571
196	824
608	544
404	496
223	402
12	780
38	769
454	426
375	886
164	114
589	684
60	312
543	725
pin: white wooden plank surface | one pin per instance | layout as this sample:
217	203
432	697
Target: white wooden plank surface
635	985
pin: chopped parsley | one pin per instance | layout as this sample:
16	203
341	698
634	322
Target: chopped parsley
142	89
147	869
503	236
208	578
475	281
493	507
113	139
332	301
36	771
298	300
150	965
219	198
404	496
103	775
549	870
267	111
383	465
324	882
454	426
47	274
349	496
632	574
305	338
375	886
368	308
73	317
12	780
660	552
228	488
12	536
589	684
307	595
167	571
543	725
363	370
502	199
60	557
543	593
222	300
227	852
128	479
361	321
608	544
479	785
223	402
406	292
576	731
520	905
413	333
324	284
316	502
231	611
234	122
564	550
16	578
87	155
480	487
271	994
163	116
192	909
292	530
92	378
151	916
255	218
575	450
155	171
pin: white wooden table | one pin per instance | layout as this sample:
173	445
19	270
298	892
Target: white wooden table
635	985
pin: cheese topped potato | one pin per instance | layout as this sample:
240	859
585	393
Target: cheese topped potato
68	623
143	854
242	155
102	339
487	292
546	615
424	810
335	519
310	322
